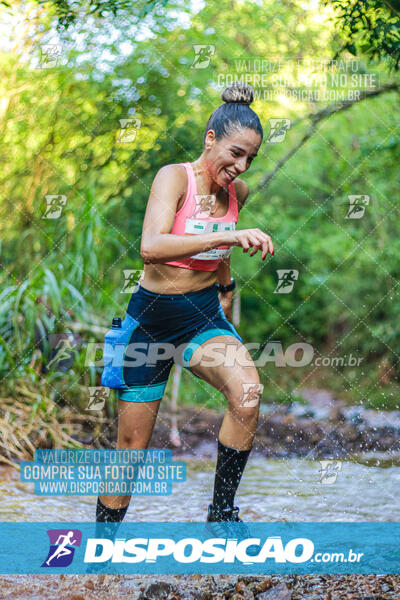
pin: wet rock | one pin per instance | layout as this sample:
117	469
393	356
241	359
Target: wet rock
336	413
262	586
158	591
301	410
242	592
89	585
206	596
278	592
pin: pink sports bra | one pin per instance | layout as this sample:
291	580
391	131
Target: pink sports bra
194	218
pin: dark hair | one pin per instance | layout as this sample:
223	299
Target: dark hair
235	112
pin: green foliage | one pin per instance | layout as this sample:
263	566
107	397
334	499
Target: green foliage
68	12
371	27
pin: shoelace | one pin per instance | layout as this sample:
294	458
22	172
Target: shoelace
235	529
220	528
232	525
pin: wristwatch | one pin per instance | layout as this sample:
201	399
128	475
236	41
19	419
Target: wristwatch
226	288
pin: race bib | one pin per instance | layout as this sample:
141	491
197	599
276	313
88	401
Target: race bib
195	226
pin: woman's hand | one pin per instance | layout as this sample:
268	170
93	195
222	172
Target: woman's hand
251	238
225	300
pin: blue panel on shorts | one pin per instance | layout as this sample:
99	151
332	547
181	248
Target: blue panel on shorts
202	337
143	393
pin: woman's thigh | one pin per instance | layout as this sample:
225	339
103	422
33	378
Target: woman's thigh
225	363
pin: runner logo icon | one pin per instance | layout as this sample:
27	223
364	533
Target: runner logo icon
62	542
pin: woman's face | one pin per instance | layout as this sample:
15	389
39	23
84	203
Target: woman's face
231	155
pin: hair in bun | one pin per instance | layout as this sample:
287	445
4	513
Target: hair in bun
238	93
235	114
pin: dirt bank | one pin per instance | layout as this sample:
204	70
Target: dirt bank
280	434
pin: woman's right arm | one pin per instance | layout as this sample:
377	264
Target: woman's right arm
159	246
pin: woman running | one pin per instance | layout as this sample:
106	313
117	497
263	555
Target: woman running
188	233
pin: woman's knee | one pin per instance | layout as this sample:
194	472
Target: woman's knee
133	437
136	423
244	399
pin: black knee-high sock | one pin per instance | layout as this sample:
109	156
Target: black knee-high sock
230	466
111	516
105	514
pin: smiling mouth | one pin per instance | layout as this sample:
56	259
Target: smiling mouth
230	175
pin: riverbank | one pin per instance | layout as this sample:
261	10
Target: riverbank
202	587
320	428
